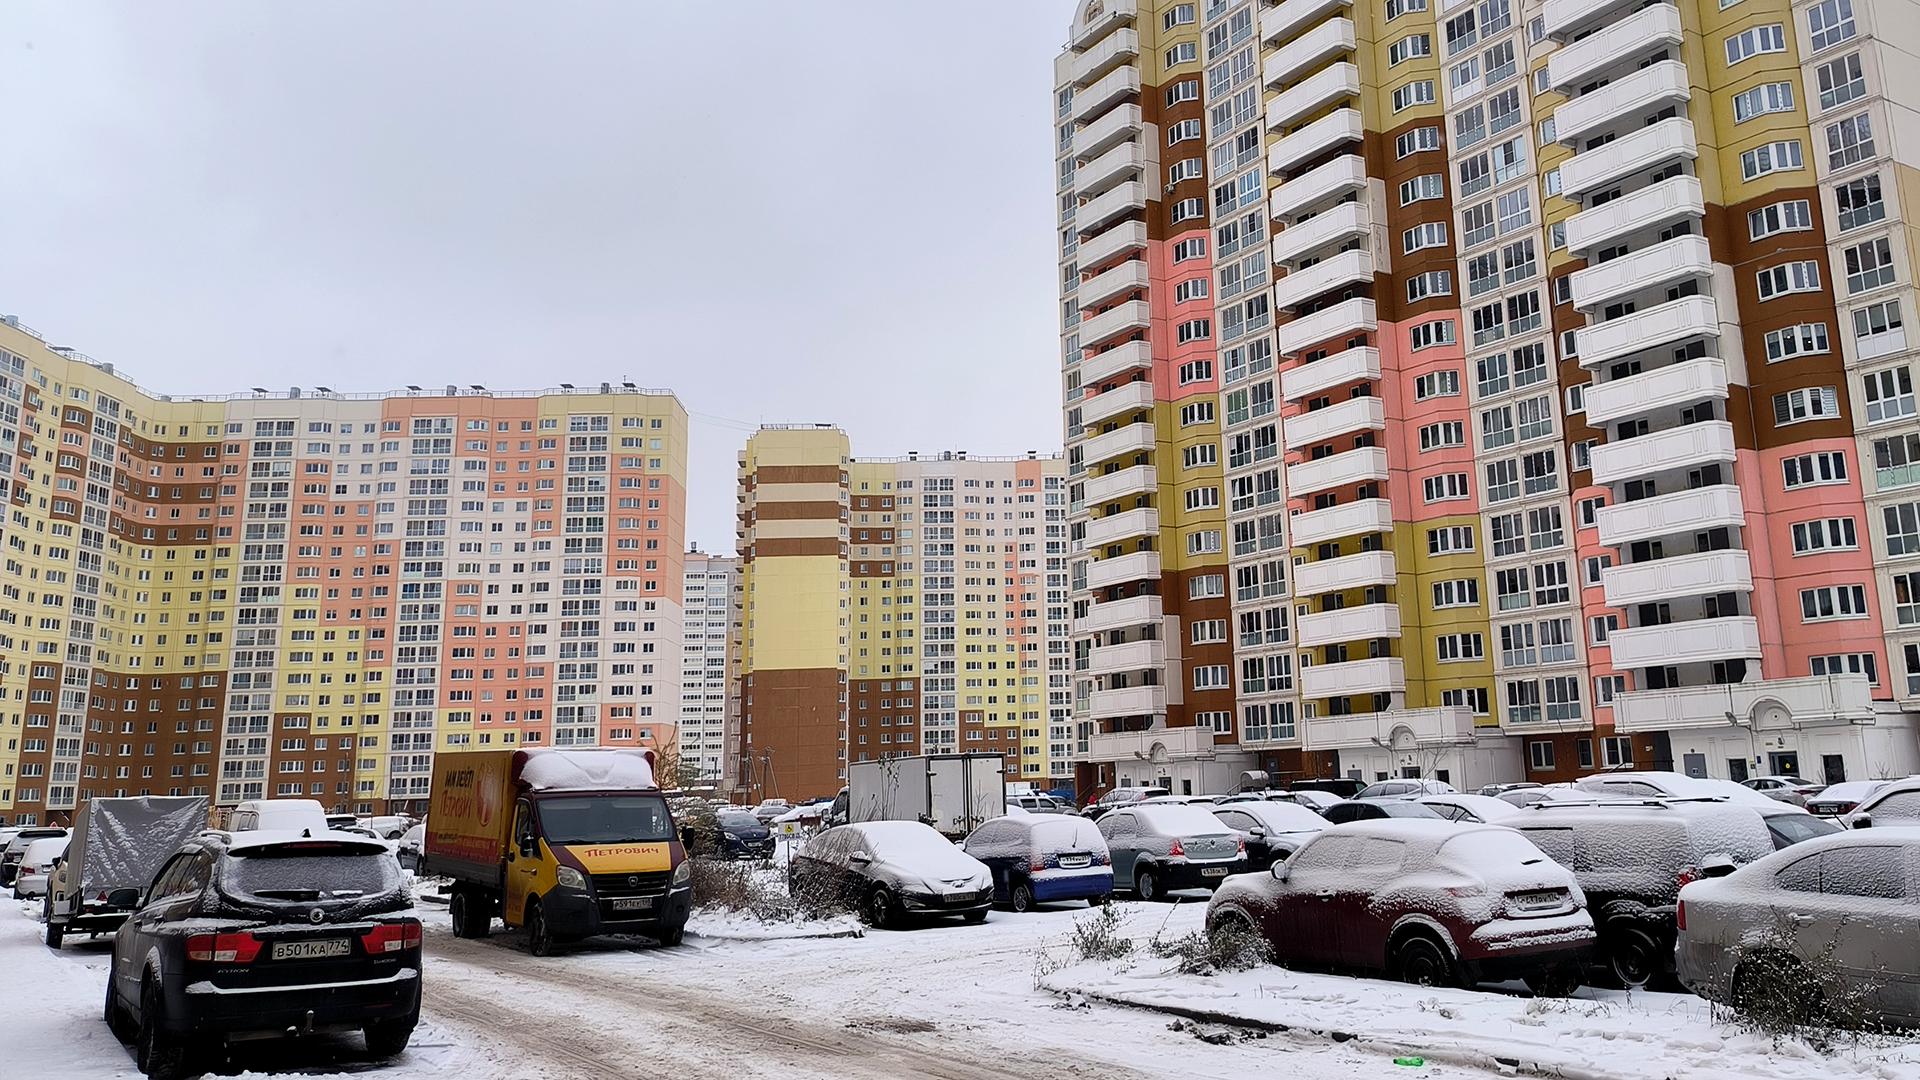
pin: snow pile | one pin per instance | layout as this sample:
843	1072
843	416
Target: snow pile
722	925
587	769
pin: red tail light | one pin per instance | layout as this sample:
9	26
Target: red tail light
1037	862
1177	851
1687	876
223	948
1242	849
1680	915
391	937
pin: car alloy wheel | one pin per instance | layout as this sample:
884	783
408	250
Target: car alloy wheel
879	909
1145	884
1021	897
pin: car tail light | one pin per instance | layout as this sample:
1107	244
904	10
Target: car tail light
1240	848
223	948
1464	890
1177	851
391	937
1680	915
1037	862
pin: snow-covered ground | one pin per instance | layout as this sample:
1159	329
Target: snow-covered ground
952	1001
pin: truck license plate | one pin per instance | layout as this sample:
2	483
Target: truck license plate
632	903
311	950
1213	871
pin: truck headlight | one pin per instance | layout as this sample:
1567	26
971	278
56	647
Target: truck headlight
682	873
569	878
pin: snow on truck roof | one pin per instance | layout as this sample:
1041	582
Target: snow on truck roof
587	769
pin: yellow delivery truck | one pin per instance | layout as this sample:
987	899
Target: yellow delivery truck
563	842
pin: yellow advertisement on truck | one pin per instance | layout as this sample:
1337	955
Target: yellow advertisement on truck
563	842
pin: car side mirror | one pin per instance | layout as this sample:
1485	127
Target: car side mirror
1714	866
860	857
529	848
124	898
1279	871
686	836
1863	821
1258	833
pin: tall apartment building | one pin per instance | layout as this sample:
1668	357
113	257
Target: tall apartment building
311	593
1578	432
897	606
709	721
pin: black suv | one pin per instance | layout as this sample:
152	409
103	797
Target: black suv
263	933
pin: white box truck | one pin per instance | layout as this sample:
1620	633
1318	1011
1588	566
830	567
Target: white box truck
954	793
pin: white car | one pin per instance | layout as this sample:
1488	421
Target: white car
390	826
289	815
36	867
1655	784
1896	804
1472	809
411	845
1403	789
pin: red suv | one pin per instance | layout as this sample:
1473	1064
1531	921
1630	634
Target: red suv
1430	902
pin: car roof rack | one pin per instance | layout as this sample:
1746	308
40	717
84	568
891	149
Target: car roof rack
1662	802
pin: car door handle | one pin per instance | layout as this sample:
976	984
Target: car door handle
1798	919
1325	894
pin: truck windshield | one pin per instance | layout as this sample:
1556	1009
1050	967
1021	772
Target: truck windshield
605	819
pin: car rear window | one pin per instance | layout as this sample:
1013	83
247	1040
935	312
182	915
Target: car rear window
738	818
1489	849
1180	820
1794	828
310	874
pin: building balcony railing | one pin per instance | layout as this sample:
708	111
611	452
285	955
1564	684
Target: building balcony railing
1336	522
1655	206
1376	675
1700	574
1684	447
1691	642
1661	388
1354	414
1335	372
1642	151
1357	571
1361	623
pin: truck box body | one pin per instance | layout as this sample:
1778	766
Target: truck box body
118	844
470	813
954	793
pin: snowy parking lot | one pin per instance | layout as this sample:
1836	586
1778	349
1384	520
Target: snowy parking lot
941	1001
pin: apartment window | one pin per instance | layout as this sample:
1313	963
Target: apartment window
1185	169
1447	433
1509	160
1199	455
1456	592
1444	486
1460	648
1518	263
1806	339
1187	210
1869	265
1616	751
1489	323
1444	383
1431	234
1563	698
1889	394
1512	589
1206	586
1893	461
1600	627
1755	41
1782	156
1545	530
1203	498
1427	334
1859	663
1473	698
1182	130
1807	403
1193	330
1530	365
1903	528
1794	215
1428	186
1210	677
1397	8
1906	605
1450	540
1550	584
1515	209
1491	372
1431	283
1793	277
1878	328
1577	399
1540	472
1187	52
1833	602
1509	536
1826	534
1465	73
1476	225
1409	47
1840	81
1462	30
1761	100
1184	90
1517	647
1476	175
1196	371
1198	412
1501	63
1204	542
1539	755
1830	23
1416	141
1414	93
1859	202
1849	142
1589	511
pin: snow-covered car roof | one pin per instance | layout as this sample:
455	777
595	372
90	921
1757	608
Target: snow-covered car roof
251	840
1280	817
1179	819
1674	783
1484	807
44	848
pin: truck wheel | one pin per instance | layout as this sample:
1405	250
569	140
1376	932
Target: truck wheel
157	1053
55	932
470	917
386	1038
539	935
670	936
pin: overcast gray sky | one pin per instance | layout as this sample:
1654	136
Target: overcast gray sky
819	211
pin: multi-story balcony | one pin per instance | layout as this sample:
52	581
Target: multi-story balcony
1124	526
1700	574
1565	18
1107	132
1682	447
1330	273
1128	236
1127	701
1343	125
1317	185
1692	642
1287	63
1340	320
1655	206
1319	425
1313	93
1110	89
1346	572
1139	566
1338	371
1128	398
1768	704
1345	519
1127	439
1102	210
1447	725
1120	484
1112	13
1644	150
1149	655
1377	675
1681	513
1625	42
1655	327
1627	98
1347	221
1132	356
1119	47
1127	161
1277	22
1663	264
1350	624
1661	388
1368	463
1129	276
1111	615
1120	319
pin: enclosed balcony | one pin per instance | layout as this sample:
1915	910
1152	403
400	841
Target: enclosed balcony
1148	655
1655	206
1116	86
1658	326
1110	615
1346	572
1685	447
1315	92
1680	514
1364	465
1335	372
1117	48
1343	125
1693	642
1626	99
1658	389
1342	320
1139	566
1320	425
1323	231
1337	271
1127	318
1284	20
1644	150
1127	161
1107	132
1122	400
1127	277
1321	184
1624	43
1132	356
1361	623
1343	520
1100	211
1378	675
1129	701
1668	263
1120	484
1286	64
1125	440
1114	528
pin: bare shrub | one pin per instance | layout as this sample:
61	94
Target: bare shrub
1097	936
746	888
1781	992
1230	945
